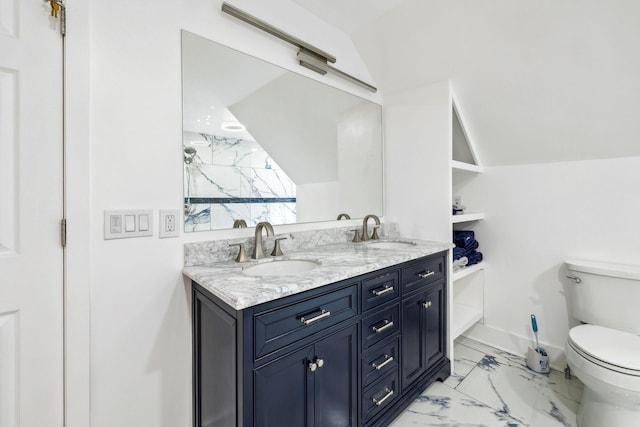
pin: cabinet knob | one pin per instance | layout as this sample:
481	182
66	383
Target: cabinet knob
426	304
317	363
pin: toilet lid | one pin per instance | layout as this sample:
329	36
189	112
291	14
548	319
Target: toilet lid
613	349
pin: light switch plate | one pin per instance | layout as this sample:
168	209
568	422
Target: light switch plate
169	223
125	223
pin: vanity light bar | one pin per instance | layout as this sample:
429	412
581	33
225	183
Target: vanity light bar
309	56
268	28
311	62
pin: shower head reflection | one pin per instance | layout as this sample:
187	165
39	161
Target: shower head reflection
189	154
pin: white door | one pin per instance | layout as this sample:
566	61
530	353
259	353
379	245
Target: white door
31	257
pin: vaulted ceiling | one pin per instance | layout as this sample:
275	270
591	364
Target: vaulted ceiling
541	81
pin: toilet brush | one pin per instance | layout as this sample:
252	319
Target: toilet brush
537	359
534	326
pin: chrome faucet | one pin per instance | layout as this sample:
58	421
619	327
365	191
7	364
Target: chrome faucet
365	228
257	248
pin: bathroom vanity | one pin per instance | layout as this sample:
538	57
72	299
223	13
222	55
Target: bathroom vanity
353	352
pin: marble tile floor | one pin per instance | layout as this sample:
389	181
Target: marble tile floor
493	388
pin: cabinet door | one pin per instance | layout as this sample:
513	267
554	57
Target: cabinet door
423	335
282	391
335	381
435	330
413	338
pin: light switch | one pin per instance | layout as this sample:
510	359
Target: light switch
129	223
125	223
143	222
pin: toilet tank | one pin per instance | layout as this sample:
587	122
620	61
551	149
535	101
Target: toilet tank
607	294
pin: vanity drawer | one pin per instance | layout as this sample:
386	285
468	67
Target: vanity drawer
380	325
423	272
380	361
379	396
381	289
277	328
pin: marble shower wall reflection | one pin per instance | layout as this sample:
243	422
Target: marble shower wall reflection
227	179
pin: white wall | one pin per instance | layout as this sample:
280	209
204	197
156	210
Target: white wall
537	216
541	81
124	104
417	127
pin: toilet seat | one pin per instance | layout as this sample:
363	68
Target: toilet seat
609	348
601	353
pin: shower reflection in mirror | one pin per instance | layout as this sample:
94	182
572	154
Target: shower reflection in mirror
230	179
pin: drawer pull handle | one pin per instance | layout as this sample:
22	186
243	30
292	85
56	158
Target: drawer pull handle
426	274
384	290
387	359
427	304
387	324
388	394
323	314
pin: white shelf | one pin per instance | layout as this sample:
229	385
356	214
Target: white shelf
467	271
476	216
462	318
466	286
466	166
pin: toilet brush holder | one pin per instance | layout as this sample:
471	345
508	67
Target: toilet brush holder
538	361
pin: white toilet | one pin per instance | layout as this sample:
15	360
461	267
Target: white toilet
604	352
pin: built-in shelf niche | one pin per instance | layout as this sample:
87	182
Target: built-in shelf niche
467	284
463	154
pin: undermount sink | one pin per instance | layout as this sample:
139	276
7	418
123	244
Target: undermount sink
391	244
284	267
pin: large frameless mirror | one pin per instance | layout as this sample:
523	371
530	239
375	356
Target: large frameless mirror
261	143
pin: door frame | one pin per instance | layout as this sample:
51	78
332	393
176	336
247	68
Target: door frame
77	280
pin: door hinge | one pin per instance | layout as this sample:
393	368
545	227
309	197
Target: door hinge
58	8
63	232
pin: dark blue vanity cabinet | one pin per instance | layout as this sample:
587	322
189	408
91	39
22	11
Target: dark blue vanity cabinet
353	353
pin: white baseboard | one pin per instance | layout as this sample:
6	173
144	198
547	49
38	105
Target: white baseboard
515	344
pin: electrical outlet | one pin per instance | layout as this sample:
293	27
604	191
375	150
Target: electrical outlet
169	223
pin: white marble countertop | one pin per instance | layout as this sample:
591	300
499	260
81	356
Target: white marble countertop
338	261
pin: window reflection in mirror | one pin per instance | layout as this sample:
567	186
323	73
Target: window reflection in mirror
261	143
